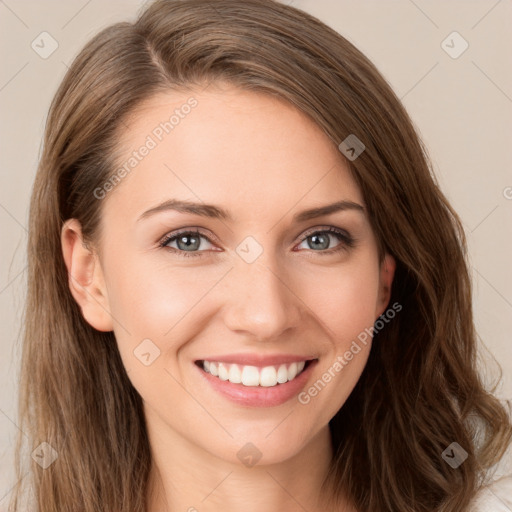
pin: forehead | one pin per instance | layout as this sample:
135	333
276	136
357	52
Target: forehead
227	146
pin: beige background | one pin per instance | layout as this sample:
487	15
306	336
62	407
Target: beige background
461	106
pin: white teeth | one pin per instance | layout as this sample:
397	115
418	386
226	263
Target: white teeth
250	376
282	374
235	375
292	371
223	372
268	376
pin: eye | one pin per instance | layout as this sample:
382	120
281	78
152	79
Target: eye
320	240
188	243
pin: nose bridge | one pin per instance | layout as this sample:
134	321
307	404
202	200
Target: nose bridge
261	301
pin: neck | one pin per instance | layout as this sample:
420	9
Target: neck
184	477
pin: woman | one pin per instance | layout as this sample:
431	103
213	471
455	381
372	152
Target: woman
246	290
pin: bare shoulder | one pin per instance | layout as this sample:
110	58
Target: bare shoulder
496	497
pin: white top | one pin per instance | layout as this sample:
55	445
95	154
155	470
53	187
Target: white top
496	497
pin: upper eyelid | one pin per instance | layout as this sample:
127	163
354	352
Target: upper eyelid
310	231
193	230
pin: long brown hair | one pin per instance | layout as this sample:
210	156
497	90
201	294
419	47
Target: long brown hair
420	390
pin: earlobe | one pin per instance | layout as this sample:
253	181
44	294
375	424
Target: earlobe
85	277
387	273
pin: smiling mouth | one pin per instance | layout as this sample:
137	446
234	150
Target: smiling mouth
254	376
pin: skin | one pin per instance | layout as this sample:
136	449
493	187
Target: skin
263	161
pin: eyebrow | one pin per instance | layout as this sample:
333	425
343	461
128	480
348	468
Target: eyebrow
216	212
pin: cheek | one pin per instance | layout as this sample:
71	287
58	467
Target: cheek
171	304
159	302
344	302
343	298
158	309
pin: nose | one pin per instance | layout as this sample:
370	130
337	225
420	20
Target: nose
261	301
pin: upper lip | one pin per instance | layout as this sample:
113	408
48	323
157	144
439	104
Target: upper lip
258	359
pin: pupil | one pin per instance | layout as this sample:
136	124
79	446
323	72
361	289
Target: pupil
194	244
321	246
318	241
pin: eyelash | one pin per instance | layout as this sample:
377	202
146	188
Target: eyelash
347	242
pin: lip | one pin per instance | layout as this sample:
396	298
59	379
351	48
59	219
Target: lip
259	360
257	396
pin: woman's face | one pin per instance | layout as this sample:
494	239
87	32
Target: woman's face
263	286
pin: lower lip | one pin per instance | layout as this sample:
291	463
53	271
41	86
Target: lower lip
259	396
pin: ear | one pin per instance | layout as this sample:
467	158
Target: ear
85	277
387	272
